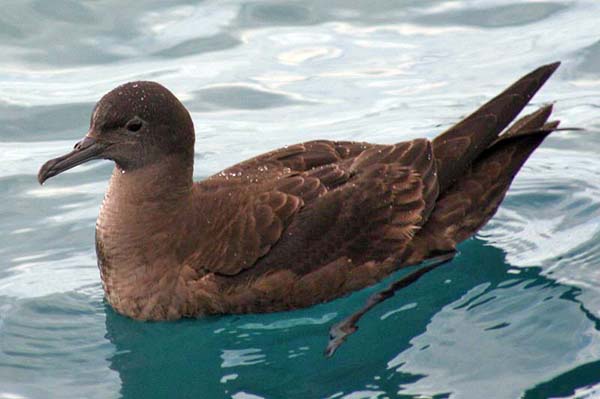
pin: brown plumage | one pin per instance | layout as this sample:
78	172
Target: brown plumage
296	226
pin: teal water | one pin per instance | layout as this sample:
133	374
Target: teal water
516	314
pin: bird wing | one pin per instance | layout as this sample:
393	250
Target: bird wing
243	228
339	199
387	194
458	147
472	200
287	160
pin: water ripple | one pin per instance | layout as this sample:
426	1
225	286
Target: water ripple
515	314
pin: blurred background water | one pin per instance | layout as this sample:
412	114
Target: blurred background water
516	314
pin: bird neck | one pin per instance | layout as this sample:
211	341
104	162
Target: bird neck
143	214
164	182
150	199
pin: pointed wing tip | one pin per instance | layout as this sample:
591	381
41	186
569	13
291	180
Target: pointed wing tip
554	65
540	75
545	111
549	69
551	126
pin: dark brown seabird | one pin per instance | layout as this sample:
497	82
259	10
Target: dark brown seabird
293	227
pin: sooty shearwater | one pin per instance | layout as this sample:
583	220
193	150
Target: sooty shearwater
293	227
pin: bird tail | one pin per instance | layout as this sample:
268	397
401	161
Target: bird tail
462	209
458	147
474	198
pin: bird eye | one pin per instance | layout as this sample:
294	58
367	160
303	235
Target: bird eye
134	125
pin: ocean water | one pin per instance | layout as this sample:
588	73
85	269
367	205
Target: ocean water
516	314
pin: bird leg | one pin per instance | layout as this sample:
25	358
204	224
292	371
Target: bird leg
340	331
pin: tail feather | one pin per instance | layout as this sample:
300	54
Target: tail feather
459	146
475	197
529	124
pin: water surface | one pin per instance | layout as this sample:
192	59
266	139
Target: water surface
516	314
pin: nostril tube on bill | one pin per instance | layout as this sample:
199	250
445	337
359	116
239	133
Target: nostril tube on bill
83	144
